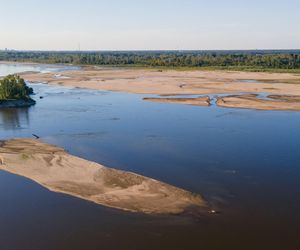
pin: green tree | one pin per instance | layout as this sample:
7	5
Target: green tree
13	87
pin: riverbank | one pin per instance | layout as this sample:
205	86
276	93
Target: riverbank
61	172
17	103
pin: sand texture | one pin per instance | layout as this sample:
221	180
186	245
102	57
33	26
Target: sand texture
61	172
252	101
199	101
175	83
172	82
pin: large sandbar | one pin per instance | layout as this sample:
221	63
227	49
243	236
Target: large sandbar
172	82
61	172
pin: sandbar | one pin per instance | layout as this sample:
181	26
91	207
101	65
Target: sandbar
55	169
172	82
252	101
198	101
193	82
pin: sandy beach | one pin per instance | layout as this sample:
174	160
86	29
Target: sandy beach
61	172
173	83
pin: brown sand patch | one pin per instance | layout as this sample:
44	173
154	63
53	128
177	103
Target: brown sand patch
199	101
252	101
288	98
58	171
172	82
151	81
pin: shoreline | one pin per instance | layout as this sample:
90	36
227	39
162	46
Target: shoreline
36	63
166	68
17	103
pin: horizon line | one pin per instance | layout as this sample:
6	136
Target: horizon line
146	50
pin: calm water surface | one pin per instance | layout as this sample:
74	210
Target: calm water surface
246	163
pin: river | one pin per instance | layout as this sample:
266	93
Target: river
246	164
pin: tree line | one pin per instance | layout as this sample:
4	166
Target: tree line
276	59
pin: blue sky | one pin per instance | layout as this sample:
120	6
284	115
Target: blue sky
143	25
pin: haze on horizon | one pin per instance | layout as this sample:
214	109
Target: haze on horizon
149	25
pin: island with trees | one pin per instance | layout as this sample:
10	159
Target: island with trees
14	92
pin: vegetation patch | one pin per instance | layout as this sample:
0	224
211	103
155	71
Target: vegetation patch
241	60
14	92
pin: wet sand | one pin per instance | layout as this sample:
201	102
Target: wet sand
252	101
290	98
172	82
199	101
61	172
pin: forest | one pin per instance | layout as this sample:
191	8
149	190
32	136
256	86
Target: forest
252	60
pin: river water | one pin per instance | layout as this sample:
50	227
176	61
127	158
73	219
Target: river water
246	163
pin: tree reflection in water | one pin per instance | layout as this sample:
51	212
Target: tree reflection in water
13	119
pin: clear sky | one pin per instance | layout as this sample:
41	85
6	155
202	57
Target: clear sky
149	24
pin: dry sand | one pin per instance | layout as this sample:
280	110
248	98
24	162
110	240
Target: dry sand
61	172
172	82
252	101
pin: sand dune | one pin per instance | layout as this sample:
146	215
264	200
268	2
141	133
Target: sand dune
61	172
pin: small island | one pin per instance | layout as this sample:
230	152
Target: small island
14	93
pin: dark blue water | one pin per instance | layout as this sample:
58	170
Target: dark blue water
246	163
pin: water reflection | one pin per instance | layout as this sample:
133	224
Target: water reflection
13	68
14	119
